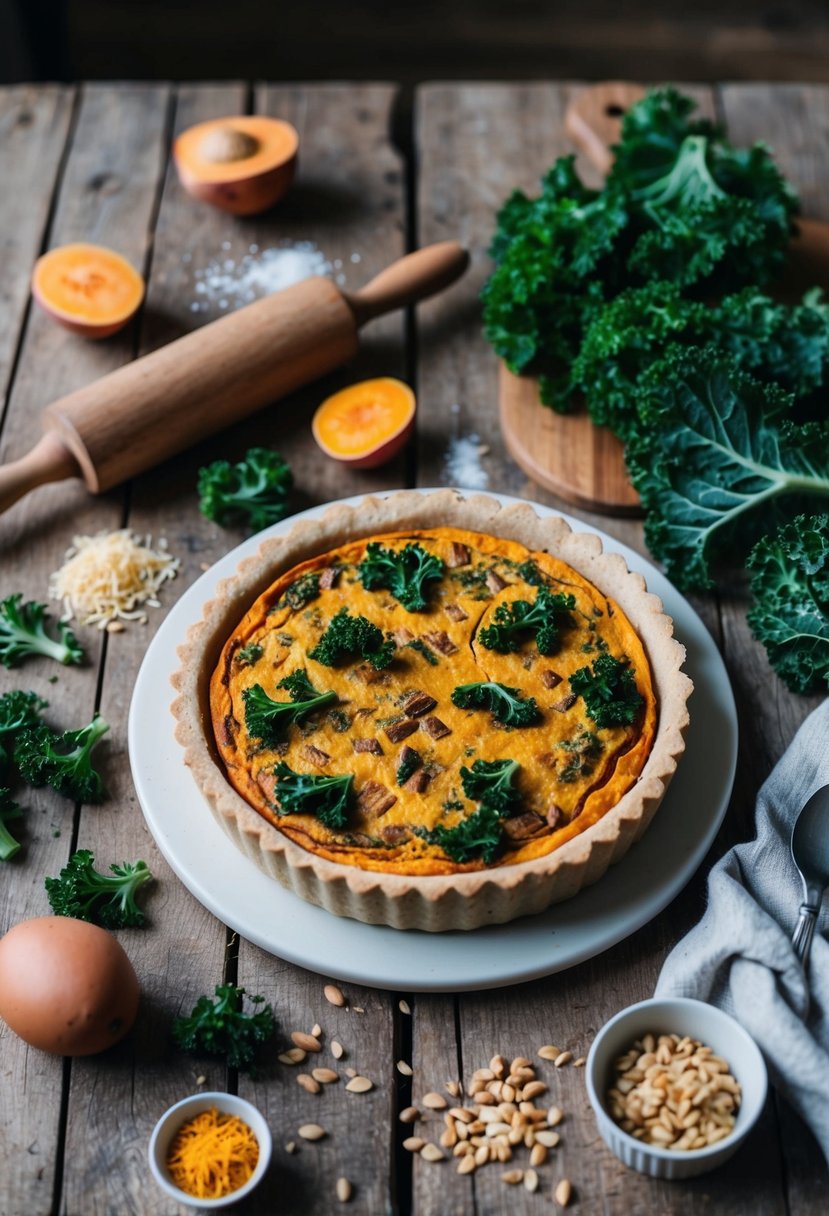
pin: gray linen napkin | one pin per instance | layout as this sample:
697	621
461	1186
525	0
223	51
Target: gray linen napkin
740	956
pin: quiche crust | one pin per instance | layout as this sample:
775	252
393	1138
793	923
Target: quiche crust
431	896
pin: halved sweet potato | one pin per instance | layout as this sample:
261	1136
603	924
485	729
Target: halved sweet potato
90	289
242	165
365	424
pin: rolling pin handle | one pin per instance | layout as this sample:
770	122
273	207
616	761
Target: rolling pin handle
409	279
49	460
594	119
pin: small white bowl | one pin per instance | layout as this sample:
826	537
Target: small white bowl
188	1108
710	1026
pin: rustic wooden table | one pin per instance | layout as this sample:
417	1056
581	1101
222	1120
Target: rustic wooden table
93	163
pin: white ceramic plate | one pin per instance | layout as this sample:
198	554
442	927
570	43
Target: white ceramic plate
627	897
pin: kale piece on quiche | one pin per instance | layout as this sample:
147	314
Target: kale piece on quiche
404	572
543	619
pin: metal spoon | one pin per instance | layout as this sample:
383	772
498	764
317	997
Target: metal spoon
810	850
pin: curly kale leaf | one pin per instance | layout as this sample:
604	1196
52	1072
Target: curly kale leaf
505	704
491	782
404	572
348	637
715	459
8	810
253	492
218	1026
62	761
18	711
544	619
477	836
269	720
790	613
23	632
82	892
303	794
609	690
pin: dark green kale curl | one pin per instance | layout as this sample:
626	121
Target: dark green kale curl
23	633
8	810
269	720
609	690
253	492
479	835
82	892
219	1027
18	711
543	619
506	705
491	782
62	761
304	794
349	637
404	572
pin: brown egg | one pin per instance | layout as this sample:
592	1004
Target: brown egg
66	986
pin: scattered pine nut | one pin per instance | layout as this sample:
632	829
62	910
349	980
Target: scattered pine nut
512	1177
343	1190
404	1068
115	627
538	1155
413	1144
435	1101
431	1152
580	1062
308	1042
409	1115
326	1075
337	1049
358	1008
312	1131
548	1138
359	1085
351	1072
549	1052
453	1088
467	1164
530	1181
533	1089
563	1193
563	1058
404	1007
199	1080
290	1147
554	1116
316	1030
333	995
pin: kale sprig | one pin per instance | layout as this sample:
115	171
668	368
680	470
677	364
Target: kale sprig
542	619
348	637
404	572
84	893
506	705
18	711
253	492
23	632
304	794
9	810
492	782
218	1026
790	612
609	690
269	720
62	761
476	836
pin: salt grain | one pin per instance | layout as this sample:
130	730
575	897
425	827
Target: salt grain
463	463
227	282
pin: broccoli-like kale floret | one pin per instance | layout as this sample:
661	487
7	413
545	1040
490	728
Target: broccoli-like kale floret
63	761
304	794
505	704
108	899
8	810
268	719
544	619
404	572
477	836
349	637
23	633
253	492
490	782
18	711
219	1027
611	697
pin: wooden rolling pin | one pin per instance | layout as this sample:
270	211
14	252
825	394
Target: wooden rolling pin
151	409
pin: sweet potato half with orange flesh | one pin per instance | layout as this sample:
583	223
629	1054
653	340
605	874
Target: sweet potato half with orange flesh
90	289
242	165
366	424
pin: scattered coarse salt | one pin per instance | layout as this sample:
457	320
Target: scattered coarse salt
462	464
227	283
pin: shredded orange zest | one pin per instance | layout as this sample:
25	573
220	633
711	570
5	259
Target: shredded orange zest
212	1155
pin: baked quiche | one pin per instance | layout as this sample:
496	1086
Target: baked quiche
431	711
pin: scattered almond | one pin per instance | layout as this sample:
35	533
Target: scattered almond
431	1152
312	1131
333	995
351	1072
409	1115
308	1083
343	1190
337	1049
404	1068
359	1085
295	1055
563	1192
435	1101
308	1042
326	1075
404	1007
316	1030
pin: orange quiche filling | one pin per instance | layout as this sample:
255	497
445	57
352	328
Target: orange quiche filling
433	702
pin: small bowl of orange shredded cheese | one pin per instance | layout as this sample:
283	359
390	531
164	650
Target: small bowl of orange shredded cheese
210	1150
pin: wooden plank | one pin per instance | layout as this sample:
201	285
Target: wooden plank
495	137
182	953
349	201
34	123
107	195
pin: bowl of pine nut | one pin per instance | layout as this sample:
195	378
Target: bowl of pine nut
676	1086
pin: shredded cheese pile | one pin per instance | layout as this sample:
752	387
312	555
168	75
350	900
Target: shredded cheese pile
111	576
212	1155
